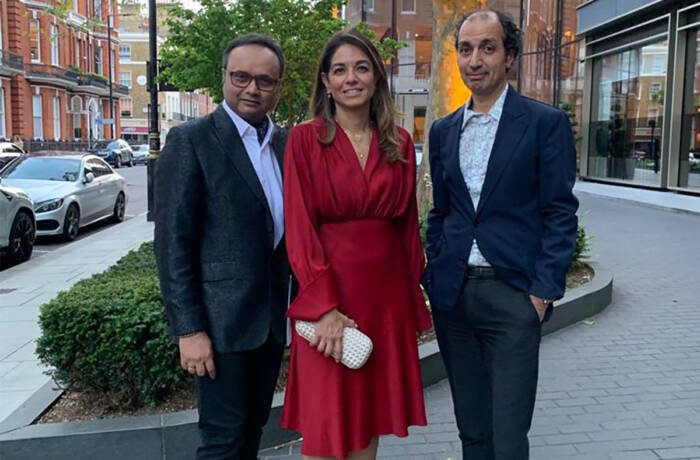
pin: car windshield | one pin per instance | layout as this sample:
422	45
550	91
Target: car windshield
43	168
105	145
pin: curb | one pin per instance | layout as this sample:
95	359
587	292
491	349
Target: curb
172	436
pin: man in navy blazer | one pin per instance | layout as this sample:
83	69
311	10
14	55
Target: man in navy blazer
500	239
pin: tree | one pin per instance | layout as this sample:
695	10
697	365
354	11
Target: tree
191	55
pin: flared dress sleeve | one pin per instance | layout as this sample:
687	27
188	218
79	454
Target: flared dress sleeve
318	292
410	238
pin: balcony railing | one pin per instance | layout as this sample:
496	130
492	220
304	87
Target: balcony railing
11	60
119	88
93	80
45	70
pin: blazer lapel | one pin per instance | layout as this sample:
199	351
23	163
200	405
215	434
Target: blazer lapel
232	144
510	130
277	143
452	140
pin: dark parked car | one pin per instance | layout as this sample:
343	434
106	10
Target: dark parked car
115	152
140	153
8	152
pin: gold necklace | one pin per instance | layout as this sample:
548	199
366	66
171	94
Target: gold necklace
356	138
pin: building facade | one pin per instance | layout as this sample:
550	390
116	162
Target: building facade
174	107
641	111
56	63
548	69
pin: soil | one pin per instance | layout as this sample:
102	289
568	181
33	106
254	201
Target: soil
90	405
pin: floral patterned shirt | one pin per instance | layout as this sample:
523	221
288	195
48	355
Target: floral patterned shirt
475	144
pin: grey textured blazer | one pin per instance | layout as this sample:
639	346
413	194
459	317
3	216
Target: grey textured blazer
214	238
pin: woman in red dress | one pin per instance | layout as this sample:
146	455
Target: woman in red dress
352	236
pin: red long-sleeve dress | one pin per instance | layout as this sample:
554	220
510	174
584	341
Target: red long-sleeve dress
353	243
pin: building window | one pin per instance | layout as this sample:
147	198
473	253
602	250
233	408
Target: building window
76	107
3	132
1	33
127	106
97	8
56	118
98	59
125	79
37	116
125	52
54	45
654	90
35	40
626	130
368	5
77	54
689	161
408	6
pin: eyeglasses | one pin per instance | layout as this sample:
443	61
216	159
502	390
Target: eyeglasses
243	79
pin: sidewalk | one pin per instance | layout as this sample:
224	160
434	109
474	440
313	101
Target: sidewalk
625	386
25	287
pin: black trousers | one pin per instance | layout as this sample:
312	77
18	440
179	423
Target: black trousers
235	406
490	345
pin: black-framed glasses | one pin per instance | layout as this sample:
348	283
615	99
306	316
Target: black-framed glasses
242	80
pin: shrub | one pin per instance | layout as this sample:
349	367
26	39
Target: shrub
582	249
109	333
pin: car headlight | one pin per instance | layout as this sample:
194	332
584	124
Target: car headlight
49	205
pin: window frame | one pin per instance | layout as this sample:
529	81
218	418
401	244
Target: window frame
37	120
56	107
55	46
3	127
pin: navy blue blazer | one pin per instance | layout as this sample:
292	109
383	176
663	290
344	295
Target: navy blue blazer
525	223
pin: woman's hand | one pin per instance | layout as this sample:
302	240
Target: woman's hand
328	336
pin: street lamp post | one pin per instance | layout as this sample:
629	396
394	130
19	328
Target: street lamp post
153	131
109	62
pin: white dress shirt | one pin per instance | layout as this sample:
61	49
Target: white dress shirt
266	167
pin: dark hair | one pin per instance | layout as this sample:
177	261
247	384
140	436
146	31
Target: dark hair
512	36
255	39
382	110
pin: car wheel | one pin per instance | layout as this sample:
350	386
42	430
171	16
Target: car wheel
119	208
22	235
131	161
71	223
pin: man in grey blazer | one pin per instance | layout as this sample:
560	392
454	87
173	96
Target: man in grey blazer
220	250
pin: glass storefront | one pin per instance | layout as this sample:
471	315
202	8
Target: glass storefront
626	126
689	158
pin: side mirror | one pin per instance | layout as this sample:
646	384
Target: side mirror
89	177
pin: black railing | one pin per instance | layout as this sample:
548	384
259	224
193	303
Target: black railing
93	80
10	59
45	70
119	88
35	145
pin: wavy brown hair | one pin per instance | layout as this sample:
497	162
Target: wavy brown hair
382	110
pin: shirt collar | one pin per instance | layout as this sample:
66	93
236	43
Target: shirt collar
494	113
243	126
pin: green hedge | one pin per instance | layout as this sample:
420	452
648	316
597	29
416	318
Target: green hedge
108	333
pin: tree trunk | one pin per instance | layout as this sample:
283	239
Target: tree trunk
447	91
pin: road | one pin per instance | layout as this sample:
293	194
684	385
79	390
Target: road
136	204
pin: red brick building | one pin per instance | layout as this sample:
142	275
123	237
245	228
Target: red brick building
57	58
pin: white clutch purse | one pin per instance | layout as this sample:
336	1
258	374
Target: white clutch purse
356	346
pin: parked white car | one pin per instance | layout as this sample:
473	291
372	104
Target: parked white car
8	152
69	191
17	224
